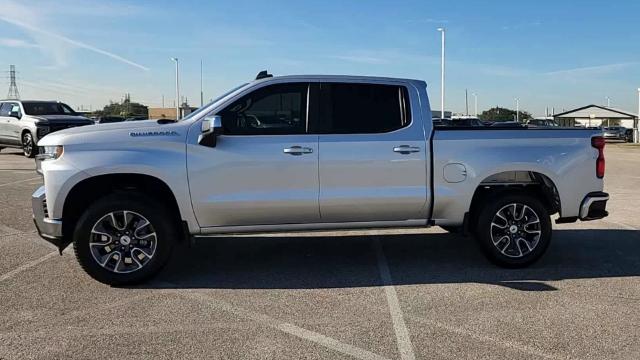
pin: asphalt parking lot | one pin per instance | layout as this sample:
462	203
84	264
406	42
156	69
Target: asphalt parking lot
393	294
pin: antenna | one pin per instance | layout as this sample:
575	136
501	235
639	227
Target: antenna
13	94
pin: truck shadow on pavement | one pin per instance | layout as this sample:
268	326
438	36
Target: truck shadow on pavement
310	262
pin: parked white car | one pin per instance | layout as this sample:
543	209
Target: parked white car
309	153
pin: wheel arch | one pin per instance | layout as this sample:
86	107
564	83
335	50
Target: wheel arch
534	183
88	190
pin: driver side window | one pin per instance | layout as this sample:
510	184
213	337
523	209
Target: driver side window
272	110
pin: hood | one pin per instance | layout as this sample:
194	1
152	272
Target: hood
79	119
120	131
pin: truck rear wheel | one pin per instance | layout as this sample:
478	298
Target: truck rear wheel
124	239
514	231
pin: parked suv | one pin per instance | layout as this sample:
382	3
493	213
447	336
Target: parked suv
23	123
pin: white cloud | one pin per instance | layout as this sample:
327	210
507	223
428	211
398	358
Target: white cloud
51	43
593	70
17	43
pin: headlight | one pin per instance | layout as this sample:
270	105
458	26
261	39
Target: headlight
50	152
47	153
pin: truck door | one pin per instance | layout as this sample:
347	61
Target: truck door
373	153
264	167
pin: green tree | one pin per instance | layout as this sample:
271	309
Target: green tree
126	108
503	114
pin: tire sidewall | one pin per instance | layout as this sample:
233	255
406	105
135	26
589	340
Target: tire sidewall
483	230
152	210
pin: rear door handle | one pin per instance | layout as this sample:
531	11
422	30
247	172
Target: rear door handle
406	149
297	150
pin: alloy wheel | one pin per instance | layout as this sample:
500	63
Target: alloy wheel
515	230
123	241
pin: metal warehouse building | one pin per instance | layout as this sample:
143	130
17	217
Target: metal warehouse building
596	115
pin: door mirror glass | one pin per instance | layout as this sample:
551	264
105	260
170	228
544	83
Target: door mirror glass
210	128
15	114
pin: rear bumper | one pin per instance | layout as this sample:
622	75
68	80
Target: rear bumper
594	206
49	229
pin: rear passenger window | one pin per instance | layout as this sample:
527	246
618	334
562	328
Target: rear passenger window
347	108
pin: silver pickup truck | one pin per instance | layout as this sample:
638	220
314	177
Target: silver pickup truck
299	153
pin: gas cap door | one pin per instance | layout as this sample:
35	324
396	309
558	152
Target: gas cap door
455	173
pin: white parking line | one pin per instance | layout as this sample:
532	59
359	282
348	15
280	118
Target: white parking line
402	334
26	266
290	329
19	181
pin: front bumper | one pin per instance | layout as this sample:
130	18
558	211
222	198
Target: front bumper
49	229
594	206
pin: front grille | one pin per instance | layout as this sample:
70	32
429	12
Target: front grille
44	208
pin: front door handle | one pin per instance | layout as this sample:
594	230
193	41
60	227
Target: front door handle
406	149
297	150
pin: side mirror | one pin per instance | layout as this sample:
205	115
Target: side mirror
211	127
15	114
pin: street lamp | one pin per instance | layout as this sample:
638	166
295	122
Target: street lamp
475	104
608	101
517	110
177	89
442	31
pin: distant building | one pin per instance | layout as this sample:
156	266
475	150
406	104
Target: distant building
170	113
596	115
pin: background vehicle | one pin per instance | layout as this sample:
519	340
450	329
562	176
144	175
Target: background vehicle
109	119
615	133
543	122
136	118
309	153
508	124
465	121
23	123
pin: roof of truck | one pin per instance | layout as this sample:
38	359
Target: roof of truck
339	77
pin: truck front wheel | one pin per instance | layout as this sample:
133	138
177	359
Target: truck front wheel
514	231
124	239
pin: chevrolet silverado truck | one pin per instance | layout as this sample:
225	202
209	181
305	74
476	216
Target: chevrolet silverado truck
24	122
302	153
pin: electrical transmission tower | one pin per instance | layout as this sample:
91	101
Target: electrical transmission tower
13	94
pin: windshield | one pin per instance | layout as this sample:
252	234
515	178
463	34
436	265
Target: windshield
202	108
47	108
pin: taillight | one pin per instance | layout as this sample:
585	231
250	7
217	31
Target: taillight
598	143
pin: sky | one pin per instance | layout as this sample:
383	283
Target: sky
555	54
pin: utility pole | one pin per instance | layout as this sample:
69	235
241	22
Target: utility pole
201	93
442	31
608	101
13	94
466	101
517	110
177	89
475	104
163	100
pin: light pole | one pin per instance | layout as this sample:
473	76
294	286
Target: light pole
608	101
517	110
636	135
177	89
442	31
475	104
201	93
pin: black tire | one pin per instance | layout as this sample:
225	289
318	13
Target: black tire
519	249
29	148
452	229
161	223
